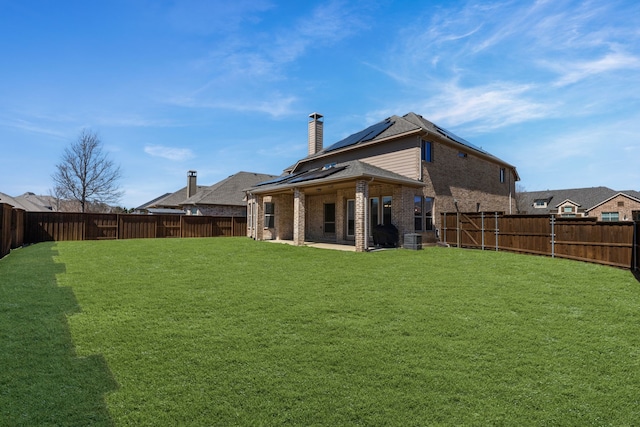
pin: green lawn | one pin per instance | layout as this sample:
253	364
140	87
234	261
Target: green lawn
229	331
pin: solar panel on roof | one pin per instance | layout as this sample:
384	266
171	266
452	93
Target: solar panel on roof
458	139
279	179
364	135
317	174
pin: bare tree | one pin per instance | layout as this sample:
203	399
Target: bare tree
519	196
86	174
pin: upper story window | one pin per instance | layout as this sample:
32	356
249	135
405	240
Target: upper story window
503	174
427	151
567	209
540	203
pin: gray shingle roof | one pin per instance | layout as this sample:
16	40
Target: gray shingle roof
410	122
29	202
585	197
169	200
229	191
346	171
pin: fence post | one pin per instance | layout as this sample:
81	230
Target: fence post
444	228
497	231
482	220
634	251
553	236
458	226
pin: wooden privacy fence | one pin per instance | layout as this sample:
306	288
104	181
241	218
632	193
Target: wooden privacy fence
58	226
583	239
18	227
11	228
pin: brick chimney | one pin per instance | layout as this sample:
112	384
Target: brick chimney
192	183
315	133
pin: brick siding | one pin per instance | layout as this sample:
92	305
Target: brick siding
625	212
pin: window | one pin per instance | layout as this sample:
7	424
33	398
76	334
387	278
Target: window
540	203
374	209
351	217
329	217
269	215
427	151
610	216
502	174
428	213
462	155
423	213
567	209
386	210
379	214
621	204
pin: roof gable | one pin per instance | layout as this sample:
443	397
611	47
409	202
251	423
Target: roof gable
623	194
568	202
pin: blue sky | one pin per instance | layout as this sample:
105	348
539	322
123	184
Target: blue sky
552	87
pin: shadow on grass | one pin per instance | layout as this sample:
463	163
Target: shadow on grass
42	381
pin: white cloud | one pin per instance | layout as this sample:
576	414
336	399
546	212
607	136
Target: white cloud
276	105
572	72
249	70
170	153
32	127
486	107
208	17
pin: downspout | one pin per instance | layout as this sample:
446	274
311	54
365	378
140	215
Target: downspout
510	175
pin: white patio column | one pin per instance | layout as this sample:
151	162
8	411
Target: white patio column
362	195
298	217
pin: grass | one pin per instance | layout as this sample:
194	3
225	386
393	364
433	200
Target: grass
230	331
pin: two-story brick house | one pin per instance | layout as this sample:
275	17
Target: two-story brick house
402	171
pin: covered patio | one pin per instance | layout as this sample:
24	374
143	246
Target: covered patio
336	204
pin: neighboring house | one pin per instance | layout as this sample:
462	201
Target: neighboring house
30	202
602	203
402	171
225	198
169	203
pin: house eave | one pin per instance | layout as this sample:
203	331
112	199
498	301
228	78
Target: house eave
286	188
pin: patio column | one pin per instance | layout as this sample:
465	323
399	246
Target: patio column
298	217
362	195
259	218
